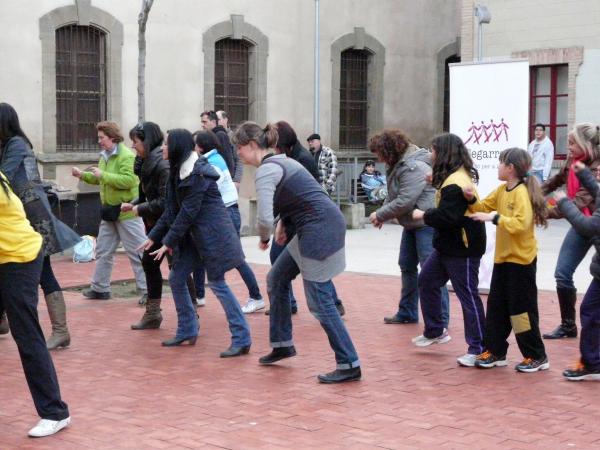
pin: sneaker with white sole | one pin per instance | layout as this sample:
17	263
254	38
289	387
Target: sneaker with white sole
422	341
200	301
487	360
253	305
47	427
532	365
467	360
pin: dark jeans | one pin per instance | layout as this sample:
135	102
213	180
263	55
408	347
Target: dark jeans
415	247
512	305
19	296
589	343
572	251
48	281
464	275
244	269
319	296
154	278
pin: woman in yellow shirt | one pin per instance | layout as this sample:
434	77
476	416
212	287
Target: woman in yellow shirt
21	265
515	208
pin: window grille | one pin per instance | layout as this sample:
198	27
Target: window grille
354	101
232	79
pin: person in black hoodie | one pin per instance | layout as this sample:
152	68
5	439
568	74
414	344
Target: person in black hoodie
153	172
458	244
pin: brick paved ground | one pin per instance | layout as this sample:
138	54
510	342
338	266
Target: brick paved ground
127	392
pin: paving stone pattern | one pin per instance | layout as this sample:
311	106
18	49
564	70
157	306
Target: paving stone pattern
125	391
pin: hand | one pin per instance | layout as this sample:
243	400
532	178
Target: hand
577	166
158	254
237	185
469	192
483	217
126	207
76	172
96	172
374	220
263	245
280	236
147	245
428	177
417	214
559	195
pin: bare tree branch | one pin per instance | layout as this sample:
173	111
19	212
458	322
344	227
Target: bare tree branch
142	20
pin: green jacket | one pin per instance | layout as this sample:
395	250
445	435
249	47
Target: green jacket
118	183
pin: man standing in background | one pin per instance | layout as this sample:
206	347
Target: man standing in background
541	150
326	163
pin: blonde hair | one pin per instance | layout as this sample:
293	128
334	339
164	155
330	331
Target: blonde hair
587	137
265	137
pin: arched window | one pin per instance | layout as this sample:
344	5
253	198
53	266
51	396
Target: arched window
232	79
354	99
80	86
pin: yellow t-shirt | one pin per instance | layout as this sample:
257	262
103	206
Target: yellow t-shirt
19	242
515	235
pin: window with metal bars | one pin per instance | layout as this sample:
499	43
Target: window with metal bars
354	99
548	104
80	87
232	79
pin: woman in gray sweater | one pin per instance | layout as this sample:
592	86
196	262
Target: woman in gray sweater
286	191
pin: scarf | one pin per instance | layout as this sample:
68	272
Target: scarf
573	186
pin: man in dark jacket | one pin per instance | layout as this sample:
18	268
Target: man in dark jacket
239	166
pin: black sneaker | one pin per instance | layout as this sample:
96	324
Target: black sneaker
580	373
95	295
533	365
398	320
340	376
487	360
277	354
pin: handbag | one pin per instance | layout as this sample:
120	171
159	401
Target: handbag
110	213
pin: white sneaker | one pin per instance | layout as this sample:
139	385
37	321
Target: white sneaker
467	360
47	427
253	305
422	341
200	301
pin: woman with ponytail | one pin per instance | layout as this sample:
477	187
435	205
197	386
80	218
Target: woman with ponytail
197	229
514	207
288	193
583	147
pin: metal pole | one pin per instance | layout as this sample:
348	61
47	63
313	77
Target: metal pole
316	99
479	41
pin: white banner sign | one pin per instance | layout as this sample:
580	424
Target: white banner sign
489	110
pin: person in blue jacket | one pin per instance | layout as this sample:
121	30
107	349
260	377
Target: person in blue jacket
197	229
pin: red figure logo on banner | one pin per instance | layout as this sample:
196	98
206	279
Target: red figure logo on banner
485	132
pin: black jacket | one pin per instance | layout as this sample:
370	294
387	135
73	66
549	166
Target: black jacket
303	156
455	234
226	148
153	172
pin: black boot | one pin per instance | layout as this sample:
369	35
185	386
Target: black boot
567	297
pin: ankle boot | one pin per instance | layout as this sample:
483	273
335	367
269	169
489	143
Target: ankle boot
152	318
57	310
4	328
567	297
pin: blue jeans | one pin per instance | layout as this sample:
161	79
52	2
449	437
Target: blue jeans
185	260
415	247
244	269
539	174
572	251
320	301
274	253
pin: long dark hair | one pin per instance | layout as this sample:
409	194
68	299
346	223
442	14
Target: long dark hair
207	140
370	162
521	161
450	155
149	134
5	186
390	146
9	125
287	137
181	145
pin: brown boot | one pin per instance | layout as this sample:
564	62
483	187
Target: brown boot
151	318
4	328
57	310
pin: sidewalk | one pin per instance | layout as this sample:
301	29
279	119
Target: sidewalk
125	391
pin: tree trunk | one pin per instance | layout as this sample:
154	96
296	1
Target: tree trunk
142	20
